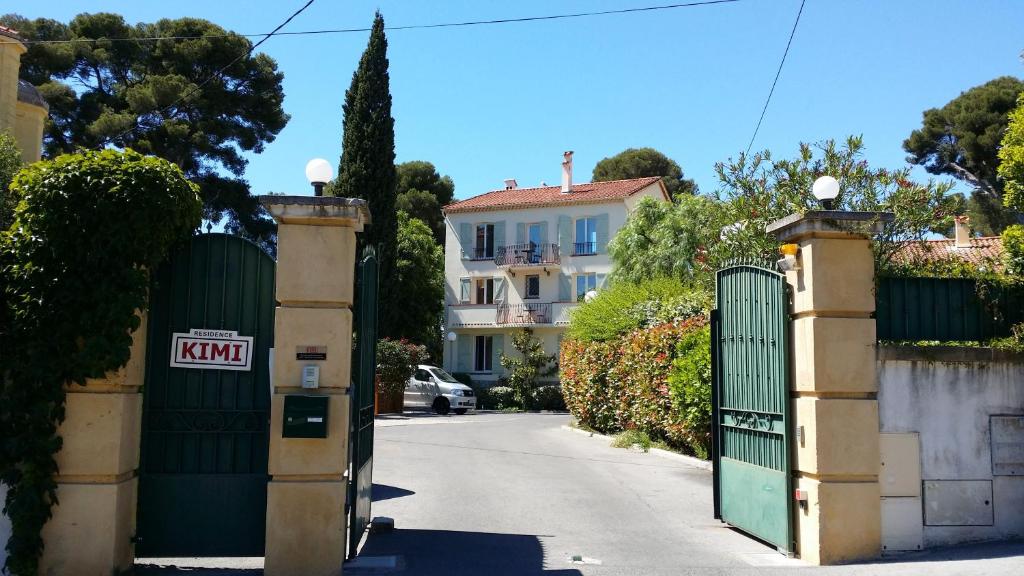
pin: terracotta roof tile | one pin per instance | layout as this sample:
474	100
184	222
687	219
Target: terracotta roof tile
982	251
9	32
551	195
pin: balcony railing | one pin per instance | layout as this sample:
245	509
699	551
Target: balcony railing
481	253
528	254
584	248
524	314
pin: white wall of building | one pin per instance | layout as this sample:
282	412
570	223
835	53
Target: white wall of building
952	423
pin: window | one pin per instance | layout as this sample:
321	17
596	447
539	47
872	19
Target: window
533	235
585	283
484	347
586	237
485	291
484	241
464	290
422	375
532	286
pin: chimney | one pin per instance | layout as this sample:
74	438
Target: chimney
963	231
567	172
510	184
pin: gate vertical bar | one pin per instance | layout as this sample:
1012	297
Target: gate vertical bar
361	468
716	440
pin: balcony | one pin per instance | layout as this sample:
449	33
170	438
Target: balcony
471	315
584	248
524	314
527	256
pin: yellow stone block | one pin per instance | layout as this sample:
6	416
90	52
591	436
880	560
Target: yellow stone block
305	528
131	374
320	456
101	434
840	437
330	327
91	529
836	275
315	264
842	521
834	355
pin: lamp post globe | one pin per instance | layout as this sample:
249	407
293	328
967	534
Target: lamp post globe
319	173
826	189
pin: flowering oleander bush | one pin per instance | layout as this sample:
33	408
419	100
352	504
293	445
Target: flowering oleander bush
639	382
396	362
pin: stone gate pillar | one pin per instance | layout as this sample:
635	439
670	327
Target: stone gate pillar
316	251
835	386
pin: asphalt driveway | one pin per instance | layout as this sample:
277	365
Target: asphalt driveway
498	493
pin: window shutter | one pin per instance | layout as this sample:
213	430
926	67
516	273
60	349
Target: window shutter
564	288
565	234
464	290
543	232
499	290
601	222
466	238
521	233
464	352
499	235
497	347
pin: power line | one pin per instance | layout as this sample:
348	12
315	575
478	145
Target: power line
217	74
407	27
777	73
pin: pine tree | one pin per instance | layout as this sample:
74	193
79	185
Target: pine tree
367	166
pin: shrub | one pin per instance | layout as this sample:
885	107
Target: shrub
396	362
500	397
690	390
548	398
625	307
531	364
1013	247
630	438
464	378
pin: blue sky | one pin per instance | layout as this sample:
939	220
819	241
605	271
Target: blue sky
486	103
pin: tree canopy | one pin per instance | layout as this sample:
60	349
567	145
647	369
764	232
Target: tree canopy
367	166
1011	159
962	139
418	302
642	162
199	103
422	192
10	163
694	236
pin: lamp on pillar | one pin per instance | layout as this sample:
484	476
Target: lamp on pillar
318	172
452	337
826	189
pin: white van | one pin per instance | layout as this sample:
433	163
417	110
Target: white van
432	387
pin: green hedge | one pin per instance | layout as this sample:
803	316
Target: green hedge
652	380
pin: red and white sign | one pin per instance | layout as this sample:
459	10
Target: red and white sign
211	349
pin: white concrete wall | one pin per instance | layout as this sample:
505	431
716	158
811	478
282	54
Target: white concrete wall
935	409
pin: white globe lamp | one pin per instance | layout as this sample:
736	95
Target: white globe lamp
590	296
826	189
319	173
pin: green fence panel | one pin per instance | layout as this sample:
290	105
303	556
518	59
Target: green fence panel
943	309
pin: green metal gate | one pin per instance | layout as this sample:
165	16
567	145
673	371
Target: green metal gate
361	432
206	402
750	332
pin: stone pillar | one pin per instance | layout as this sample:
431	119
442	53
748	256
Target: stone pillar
90	533
316	251
835	406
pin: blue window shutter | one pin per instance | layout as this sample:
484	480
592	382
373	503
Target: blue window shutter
497	347
544	233
602	233
521	233
564	288
466	238
565	234
465	293
499	235
464	352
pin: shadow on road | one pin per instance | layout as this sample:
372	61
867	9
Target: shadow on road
430	552
384	492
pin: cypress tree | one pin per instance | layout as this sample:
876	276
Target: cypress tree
367	166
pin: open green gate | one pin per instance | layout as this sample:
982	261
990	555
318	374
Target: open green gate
206	402
750	333
361	422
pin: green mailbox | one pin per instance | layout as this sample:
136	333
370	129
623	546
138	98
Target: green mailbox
305	416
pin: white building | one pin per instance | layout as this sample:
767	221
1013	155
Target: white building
524	257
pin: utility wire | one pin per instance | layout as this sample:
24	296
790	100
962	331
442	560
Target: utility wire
214	76
407	27
777	73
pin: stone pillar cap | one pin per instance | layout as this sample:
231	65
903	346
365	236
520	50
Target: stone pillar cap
318	210
829	223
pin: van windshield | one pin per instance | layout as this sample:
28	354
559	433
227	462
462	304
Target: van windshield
443	376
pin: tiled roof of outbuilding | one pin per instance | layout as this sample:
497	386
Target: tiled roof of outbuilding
28	94
983	251
552	195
